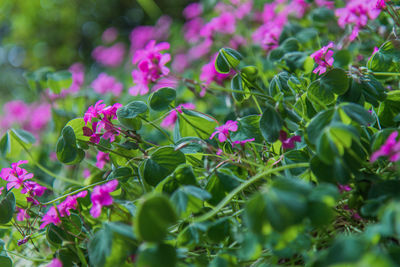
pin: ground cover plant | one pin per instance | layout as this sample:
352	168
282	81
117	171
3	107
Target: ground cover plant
257	133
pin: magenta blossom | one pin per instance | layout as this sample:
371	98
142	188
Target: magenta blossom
151	66
344	188
109	56
288	143
22	214
101	117
390	149
381	4
51	216
34	190
55	263
15	176
101	197
170	120
192	10
70	203
223	130
101	159
107	84
243	142
323	58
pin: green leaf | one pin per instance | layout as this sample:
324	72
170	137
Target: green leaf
77	125
154	215
161	99
99	246
386	58
161	164
227	58
7	208
270	124
195	124
249	127
318	123
129	115
237	84
157	255
59	80
357	113
336	81
67	150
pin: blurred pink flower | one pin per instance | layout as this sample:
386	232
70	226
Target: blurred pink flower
101	197
55	263
243	142
109	56
70	203
109	35
391	149
192	10
101	159
209	73
22	214
107	84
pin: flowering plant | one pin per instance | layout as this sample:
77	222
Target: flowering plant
251	135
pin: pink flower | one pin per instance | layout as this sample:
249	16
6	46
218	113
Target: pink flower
242	143
94	111
225	24
288	143
109	35
107	84
180	63
381	4
391	149
323	58
151	66
193	10
22	214
86	173
34	190
109	56
170	120
192	28
223	130
15	176
55	263
51	216
102	158
168	81
219	152
70	203
78	76
344	188
357	13
326	3
101	197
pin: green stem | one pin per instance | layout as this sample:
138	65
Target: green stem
150	7
386	73
44	169
26	257
159	129
243	186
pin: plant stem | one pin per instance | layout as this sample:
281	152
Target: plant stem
243	186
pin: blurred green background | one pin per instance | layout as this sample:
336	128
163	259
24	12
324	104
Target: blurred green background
57	33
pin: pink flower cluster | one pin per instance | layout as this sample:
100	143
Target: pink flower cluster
100	116
151	66
17	177
105	83
390	149
55	213
109	56
31	117
357	13
223	130
101	197
170	120
324	58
